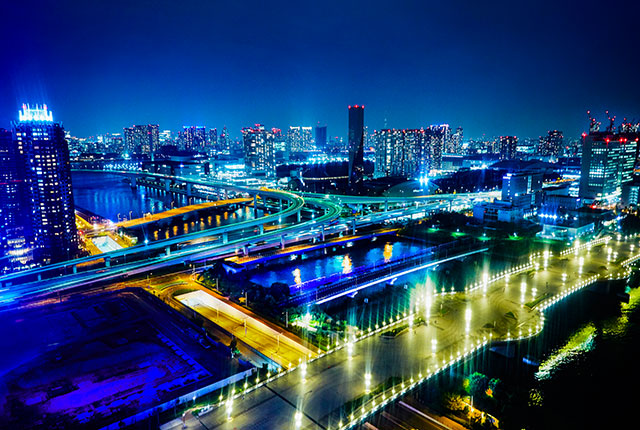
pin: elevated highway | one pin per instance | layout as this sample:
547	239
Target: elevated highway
220	241
198	252
294	206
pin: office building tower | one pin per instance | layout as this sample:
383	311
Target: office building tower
321	137
437	135
412	153
15	251
213	139
299	139
608	160
356	145
43	156
225	140
455	142
164	137
143	139
508	147
193	138
259	153
279	140
399	152
528	146
522	189
551	144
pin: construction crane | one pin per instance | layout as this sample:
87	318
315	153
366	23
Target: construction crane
593	124
612	120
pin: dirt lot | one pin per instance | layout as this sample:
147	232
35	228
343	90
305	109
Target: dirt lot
93	360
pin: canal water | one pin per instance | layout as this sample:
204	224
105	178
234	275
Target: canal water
343	259
108	196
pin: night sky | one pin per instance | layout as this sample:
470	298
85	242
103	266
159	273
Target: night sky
492	67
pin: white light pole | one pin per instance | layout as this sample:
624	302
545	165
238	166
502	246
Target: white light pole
367	382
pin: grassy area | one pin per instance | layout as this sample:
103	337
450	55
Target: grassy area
182	291
399	329
536	301
353	405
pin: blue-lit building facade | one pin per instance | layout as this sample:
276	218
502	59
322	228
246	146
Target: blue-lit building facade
15	250
45	211
356	145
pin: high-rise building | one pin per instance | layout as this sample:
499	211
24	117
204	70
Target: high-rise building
551	144
299	139
438	135
399	152
43	156
225	140
193	138
522	189
321	137
356	145
144	139
410	153
455	143
259	153
164	137
15	251
213	139
279	140
508	147
608	160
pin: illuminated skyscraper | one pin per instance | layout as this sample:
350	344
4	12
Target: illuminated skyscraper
213	139
225	140
164	137
259	153
144	139
608	161
43	156
455	143
410	153
356	145
398	152
438	136
15	252
551	144
299	139
193	138
508	147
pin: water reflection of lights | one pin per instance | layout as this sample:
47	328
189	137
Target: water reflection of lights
347	265
296	276
388	250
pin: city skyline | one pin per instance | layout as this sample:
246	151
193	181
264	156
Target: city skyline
201	227
238	66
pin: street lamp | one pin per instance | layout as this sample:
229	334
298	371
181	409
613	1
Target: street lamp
229	408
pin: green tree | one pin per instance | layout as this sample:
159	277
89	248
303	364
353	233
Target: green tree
478	384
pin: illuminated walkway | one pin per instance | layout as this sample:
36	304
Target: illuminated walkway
501	306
